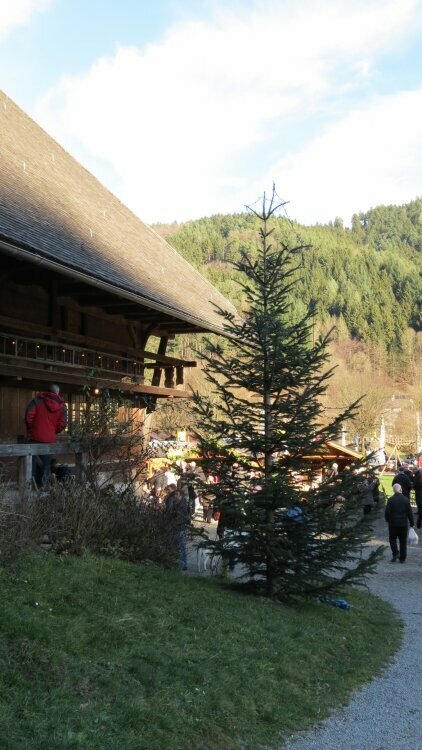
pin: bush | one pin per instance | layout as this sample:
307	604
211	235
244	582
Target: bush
71	518
103	514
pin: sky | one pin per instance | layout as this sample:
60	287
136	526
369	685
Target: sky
189	108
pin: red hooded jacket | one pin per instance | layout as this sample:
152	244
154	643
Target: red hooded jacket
45	416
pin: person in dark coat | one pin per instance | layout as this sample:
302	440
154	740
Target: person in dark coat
376	492
366	490
403	479
398	515
177	506
417	486
45	417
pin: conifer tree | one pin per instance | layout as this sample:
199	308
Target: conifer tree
259	431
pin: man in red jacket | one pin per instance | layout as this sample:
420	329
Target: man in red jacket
45	417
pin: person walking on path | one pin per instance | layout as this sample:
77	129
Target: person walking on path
366	491
398	515
417	486
177	507
403	479
45	417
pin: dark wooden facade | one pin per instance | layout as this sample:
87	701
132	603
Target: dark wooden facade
50	332
89	295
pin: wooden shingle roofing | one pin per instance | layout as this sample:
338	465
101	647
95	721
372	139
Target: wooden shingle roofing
56	211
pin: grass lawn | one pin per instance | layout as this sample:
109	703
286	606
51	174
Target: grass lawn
386	484
98	654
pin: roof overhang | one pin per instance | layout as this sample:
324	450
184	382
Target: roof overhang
34	256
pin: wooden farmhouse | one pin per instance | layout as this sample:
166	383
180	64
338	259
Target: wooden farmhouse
90	296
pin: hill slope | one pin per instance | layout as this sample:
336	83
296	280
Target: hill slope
367	279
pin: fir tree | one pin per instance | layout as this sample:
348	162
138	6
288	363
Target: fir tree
259	429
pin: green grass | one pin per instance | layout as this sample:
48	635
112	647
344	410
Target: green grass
386	484
97	654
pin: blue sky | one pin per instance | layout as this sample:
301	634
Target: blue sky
185	108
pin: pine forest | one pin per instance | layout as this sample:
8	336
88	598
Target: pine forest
364	283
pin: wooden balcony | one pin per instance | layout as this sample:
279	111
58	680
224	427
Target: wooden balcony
140	371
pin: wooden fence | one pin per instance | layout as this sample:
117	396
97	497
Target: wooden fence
23	452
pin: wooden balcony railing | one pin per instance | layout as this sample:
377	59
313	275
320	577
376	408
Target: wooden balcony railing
139	368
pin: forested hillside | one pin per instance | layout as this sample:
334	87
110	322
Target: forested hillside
367	280
364	282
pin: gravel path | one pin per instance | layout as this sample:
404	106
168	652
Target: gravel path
386	714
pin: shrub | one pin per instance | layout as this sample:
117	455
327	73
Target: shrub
71	518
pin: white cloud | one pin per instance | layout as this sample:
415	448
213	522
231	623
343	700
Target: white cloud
376	151
180	128
15	13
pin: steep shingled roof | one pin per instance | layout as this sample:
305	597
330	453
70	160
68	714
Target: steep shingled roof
55	209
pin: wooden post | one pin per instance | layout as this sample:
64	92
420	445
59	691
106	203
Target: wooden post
24	472
156	377
81	463
169	377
